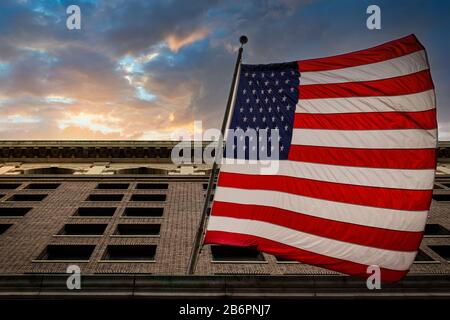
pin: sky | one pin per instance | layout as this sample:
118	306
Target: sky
141	70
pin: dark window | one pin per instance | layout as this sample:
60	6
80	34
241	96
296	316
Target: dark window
83	229
441	197
148	197
50	170
113	186
67	252
1	196
142	170
442	250
152	186
95	212
27	197
130	252
4	227
229	253
143	212
436	186
422	257
13	212
43	186
446	184
105	197
280	259
138	229
9	186
435	230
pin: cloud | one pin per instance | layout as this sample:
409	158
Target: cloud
176	42
144	69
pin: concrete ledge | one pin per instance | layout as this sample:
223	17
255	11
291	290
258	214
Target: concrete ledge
208	287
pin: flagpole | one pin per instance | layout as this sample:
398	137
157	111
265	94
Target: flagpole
199	235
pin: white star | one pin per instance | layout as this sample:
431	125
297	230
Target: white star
253	91
241	109
282	73
247	100
286	127
272	74
264	119
269	91
245	119
246	74
276	82
250	82
257	100
266	100
280	90
282	148
288	107
270	109
282	118
244	91
273	119
284	98
253	75
257	128
254	119
262	75
262	91
287	81
251	109
266	82
274	99
261	110
278	108
292	89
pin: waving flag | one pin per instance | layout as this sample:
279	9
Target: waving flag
357	139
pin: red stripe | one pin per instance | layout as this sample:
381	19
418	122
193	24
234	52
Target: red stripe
398	199
379	53
292	253
370	158
341	231
367	121
412	83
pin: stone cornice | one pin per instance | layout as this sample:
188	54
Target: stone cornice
118	151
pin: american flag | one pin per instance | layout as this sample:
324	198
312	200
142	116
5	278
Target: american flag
357	153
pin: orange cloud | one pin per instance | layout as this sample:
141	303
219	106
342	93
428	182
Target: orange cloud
175	42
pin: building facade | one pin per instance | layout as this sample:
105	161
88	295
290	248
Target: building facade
127	216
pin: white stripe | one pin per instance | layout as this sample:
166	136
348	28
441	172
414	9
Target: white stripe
421	101
366	139
400	220
404	65
373	177
394	260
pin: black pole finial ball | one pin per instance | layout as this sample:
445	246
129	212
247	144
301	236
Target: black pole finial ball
243	40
